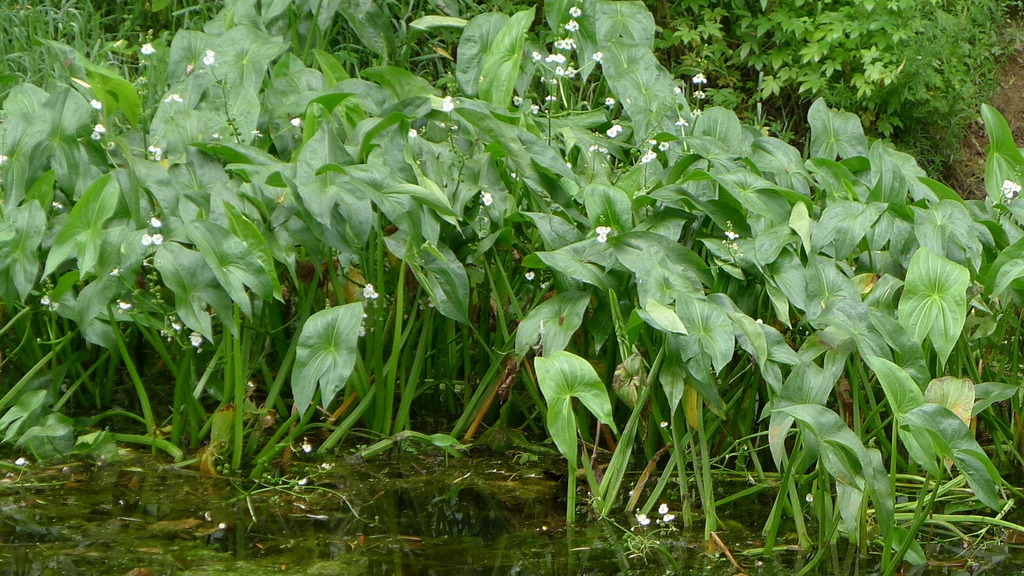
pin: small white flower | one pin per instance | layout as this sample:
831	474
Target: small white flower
570	72
413	133
642	519
46	300
177	326
677	90
124	306
486	198
809	498
700	79
663	424
534	109
759	321
152	240
96	104
732	236
602	233
174	98
3	159
115	272
530	275
648	157
447	104
668	518
551	97
156	152
57	205
147	49
575	12
559	71
566	44
370	293
598	56
536	56
696	112
296	122
555	59
614	131
663	509
215	136
663	146
609	102
209	58
1010	189
303	481
256	133
20	462
98	131
699	94
196	339
517	101
155	222
306	446
682	122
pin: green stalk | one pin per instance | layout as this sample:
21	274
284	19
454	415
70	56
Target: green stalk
412	379
237	382
140	389
920	515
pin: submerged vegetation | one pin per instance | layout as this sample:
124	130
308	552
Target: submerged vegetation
298	224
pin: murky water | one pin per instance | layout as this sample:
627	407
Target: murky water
418	515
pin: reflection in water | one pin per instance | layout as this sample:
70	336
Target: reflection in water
379	519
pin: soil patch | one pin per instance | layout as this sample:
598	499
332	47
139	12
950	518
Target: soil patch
968	175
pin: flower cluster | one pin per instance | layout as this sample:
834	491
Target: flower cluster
156	238
602	233
1010	189
666	516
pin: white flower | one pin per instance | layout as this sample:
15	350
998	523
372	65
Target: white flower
570	72
256	133
555	59
663	424
759	321
534	109
517	101
598	56
699	95
57	205
536	56
124	306
147	49
602	233
215	135
809	498
155	222
156	152
732	236
575	12
663	509
682	122
530	275
413	133
648	156
306	446
177	326
20	462
551	97
96	104
370	293
174	98
1010	189
668	518
559	71
565	44
663	146
572	26
297	122
609	102
46	300
98	131
303	481
700	79
614	131
115	272
196	339
677	90
447	104
486	198
3	159
642	519
152	240
209	58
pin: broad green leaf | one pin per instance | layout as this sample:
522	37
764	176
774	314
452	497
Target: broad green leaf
232	262
82	234
900	389
52	438
369	22
194	285
563	376
243	56
661	317
843	223
953	439
723	125
499	68
946	228
476	40
934	300
326	354
445	278
433	22
608	206
552	323
835	134
250	235
988	393
21	233
710	330
841	451
116	93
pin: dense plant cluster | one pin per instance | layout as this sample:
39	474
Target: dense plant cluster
260	246
912	70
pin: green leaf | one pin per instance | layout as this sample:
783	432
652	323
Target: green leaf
835	134
563	376
434	22
326	354
934	300
476	40
445	278
608	206
21	233
661	317
194	285
955	394
232	262
499	68
552	323
82	234
900	389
